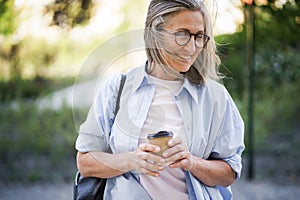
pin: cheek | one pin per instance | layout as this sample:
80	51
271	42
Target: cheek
168	58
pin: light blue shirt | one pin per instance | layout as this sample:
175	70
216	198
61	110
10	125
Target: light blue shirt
209	114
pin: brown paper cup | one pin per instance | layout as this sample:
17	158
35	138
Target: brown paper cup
160	139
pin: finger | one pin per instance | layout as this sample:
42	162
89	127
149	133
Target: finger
154	174
174	150
177	157
184	163
149	147
149	161
157	160
147	171
174	141
150	166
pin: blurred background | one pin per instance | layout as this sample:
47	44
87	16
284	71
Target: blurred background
43	45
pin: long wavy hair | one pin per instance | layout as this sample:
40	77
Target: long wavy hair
206	64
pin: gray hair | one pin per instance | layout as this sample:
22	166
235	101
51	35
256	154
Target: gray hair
207	63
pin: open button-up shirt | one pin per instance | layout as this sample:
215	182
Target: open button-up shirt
210	117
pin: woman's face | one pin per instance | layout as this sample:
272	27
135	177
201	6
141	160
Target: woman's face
180	58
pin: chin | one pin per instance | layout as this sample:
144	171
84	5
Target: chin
181	66
183	69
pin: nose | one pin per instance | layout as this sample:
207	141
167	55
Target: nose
191	45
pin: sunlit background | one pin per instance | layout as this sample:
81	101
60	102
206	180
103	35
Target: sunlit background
48	46
108	20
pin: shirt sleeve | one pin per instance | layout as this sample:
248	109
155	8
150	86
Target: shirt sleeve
230	142
95	130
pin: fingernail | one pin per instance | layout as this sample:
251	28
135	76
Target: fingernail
157	149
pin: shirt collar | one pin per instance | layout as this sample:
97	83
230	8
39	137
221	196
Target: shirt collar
192	89
141	78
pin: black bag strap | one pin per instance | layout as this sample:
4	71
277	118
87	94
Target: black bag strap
123	79
117	106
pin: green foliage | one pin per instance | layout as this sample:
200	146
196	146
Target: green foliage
276	68
277	44
276	116
34	140
285	109
25	127
30	89
37	55
8	14
68	14
30	57
27	58
277	73
232	52
278	26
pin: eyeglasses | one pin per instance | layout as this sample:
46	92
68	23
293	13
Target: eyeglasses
183	37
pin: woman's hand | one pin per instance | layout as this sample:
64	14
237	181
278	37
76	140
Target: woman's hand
178	155
143	161
209	172
106	165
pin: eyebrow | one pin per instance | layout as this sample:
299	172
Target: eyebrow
184	29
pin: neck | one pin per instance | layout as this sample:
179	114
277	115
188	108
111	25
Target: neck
163	72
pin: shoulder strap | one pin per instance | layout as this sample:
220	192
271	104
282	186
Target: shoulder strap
123	79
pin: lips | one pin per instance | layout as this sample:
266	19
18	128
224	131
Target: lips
184	58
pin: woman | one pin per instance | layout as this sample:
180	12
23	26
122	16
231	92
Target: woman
176	90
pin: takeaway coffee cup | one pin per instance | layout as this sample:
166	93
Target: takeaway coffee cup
160	139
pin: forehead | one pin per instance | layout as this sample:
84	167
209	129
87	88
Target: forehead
191	20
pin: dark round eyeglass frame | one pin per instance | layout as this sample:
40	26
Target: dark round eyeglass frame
177	34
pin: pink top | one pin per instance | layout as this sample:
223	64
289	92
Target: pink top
164	115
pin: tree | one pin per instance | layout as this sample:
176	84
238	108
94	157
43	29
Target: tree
68	14
8	14
277	30
277	42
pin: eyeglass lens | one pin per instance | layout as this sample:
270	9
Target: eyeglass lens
183	37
